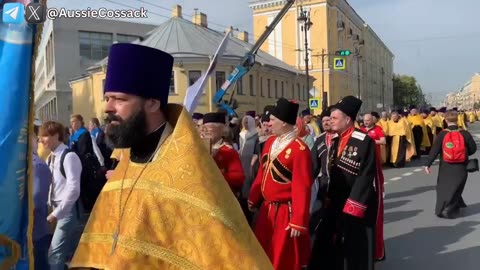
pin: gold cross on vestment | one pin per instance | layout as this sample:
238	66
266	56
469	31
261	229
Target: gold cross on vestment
115	240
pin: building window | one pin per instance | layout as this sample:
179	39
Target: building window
172	83
220	78
293	91
54	108
240	87
250	82
283	90
125	38
299	94
193	76
262	94
276	89
95	46
269	89
49	55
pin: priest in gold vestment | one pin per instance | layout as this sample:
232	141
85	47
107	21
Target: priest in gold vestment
383	122
437	121
400	138
461	123
420	133
166	205
384	148
462	120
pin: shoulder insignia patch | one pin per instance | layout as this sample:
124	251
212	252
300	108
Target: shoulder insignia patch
359	135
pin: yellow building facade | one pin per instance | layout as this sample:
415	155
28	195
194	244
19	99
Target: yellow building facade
193	45
467	96
336	26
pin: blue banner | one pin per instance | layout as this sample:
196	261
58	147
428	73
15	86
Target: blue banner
16	218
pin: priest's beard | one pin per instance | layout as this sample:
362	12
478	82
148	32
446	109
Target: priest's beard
129	132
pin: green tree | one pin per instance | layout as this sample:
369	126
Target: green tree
407	91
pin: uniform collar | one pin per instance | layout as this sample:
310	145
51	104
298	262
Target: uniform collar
453	127
347	132
286	136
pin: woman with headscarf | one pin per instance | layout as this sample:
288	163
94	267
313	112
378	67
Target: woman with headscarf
248	140
303	132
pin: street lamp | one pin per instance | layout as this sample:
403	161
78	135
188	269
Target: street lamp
304	18
358	56
382	71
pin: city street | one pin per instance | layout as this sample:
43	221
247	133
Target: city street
417	239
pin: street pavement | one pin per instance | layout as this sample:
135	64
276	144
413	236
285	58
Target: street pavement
414	237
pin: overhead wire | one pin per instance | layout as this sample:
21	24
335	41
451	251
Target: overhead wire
211	22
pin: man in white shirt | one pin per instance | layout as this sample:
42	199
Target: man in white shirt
63	195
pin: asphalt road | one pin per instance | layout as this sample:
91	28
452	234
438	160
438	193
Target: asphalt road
414	237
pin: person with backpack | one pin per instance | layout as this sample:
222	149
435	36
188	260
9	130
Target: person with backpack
454	145
93	174
66	169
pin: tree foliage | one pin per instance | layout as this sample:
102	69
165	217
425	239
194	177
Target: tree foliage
407	91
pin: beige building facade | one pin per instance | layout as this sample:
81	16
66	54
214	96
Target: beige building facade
466	96
336	26
193	45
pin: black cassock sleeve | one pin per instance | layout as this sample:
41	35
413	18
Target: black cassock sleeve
470	142
315	163
362	189
436	149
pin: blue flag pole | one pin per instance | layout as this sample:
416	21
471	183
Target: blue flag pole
17	43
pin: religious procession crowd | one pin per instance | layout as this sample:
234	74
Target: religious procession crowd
411	133
153	189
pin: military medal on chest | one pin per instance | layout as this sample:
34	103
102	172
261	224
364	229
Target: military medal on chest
350	151
355	151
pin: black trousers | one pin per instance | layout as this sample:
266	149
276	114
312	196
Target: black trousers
418	137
